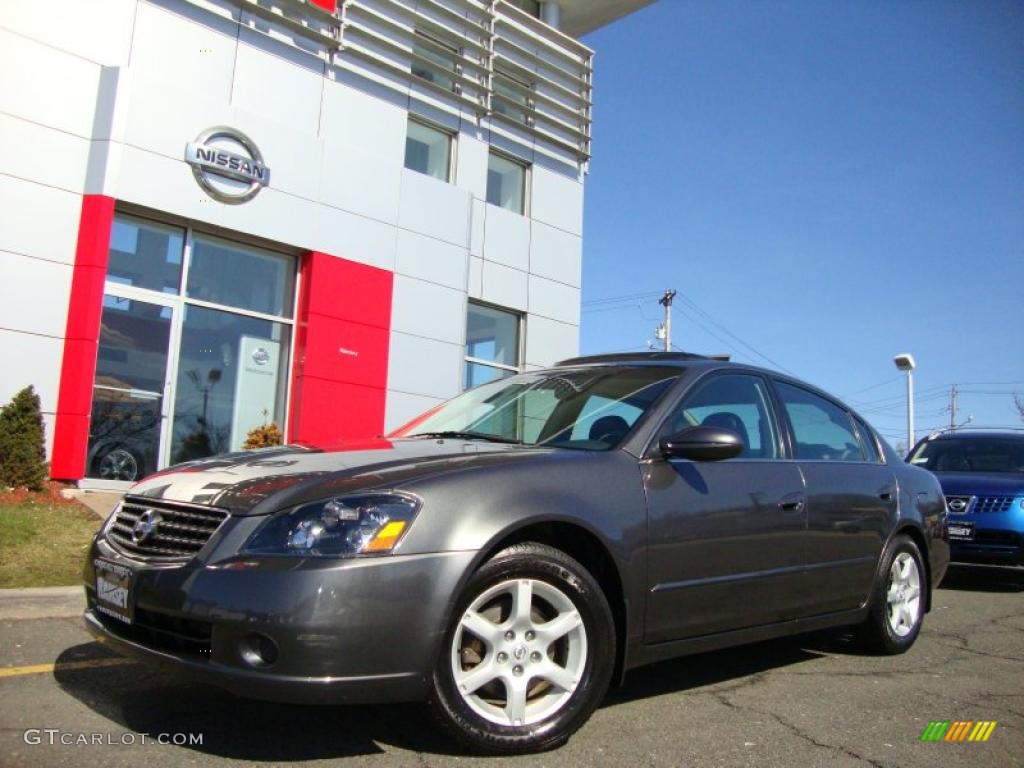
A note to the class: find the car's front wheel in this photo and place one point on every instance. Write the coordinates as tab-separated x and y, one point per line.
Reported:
528	654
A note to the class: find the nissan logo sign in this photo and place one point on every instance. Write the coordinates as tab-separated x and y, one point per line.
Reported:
145	526
957	505
227	165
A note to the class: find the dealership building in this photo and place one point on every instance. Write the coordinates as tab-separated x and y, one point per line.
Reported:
330	214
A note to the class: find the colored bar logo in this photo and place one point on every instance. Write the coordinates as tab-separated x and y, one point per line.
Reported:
958	730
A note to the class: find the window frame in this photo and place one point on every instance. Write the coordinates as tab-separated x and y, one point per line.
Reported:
452	137
434	44
527	167
468	359
791	432
771	404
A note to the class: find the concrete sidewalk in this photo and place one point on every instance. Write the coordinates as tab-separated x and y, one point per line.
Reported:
41	603
100	502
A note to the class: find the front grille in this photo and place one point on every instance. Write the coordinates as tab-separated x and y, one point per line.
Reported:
958	505
160	631
993	504
178	533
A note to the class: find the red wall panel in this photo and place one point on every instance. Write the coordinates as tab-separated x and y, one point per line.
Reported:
82	333
341	356
327	5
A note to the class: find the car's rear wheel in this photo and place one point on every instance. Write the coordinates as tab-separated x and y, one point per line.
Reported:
528	654
898	599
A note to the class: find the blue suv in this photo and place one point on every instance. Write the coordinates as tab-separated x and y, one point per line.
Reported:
982	477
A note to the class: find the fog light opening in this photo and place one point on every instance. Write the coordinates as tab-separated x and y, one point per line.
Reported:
258	650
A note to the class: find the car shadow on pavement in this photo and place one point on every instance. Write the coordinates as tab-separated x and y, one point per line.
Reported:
141	699
984	578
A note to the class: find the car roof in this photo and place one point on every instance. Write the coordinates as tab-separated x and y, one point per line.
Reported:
978	434
678	359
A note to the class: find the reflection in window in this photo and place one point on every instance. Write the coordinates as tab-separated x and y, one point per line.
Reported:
428	150
145	255
506	183
511	97
225	273
822	430
492	344
738	403
434	61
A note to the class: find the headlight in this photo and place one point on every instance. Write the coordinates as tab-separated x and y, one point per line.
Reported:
338	527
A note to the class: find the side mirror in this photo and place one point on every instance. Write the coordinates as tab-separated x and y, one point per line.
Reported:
702	444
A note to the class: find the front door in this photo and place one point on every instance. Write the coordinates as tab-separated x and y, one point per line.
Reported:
725	538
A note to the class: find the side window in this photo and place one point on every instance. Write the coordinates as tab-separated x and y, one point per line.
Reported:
822	430
867	441
736	402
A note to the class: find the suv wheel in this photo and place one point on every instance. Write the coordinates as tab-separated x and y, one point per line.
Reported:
528	654
897	600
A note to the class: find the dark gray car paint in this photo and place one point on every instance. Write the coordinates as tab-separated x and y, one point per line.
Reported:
370	628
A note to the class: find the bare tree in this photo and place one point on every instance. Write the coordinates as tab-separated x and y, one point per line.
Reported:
1019	402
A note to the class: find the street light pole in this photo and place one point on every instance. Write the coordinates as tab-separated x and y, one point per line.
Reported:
905	362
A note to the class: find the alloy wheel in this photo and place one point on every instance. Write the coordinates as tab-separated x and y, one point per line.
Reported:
904	594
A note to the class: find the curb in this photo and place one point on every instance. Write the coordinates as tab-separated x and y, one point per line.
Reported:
41	603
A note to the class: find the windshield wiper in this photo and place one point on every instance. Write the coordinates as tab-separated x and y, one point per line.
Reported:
470	436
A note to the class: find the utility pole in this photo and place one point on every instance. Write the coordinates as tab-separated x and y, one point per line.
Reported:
952	407
666	302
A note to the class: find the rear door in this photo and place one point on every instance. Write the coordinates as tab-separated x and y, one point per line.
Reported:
851	498
725	537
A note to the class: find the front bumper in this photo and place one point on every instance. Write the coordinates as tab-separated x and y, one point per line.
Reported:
344	631
998	538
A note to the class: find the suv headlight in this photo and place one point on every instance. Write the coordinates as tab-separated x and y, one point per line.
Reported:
361	524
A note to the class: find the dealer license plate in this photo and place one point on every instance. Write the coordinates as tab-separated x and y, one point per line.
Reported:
961	531
114	590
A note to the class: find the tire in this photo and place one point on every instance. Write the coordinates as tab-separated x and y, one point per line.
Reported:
557	657
118	463
897	600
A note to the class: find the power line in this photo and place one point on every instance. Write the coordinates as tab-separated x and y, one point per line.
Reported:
693	305
617	299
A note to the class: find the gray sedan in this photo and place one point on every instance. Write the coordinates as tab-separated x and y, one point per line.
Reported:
510	554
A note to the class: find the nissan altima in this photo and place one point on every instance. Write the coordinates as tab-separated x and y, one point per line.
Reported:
510	554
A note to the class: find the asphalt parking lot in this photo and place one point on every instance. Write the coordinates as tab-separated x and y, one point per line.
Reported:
811	700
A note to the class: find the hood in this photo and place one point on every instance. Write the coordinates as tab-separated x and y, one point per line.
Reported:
257	482
981	483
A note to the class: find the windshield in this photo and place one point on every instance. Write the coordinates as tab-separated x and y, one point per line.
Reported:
976	454
584	408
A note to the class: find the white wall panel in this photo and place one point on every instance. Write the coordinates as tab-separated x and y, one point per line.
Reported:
38	220
279	89
476	275
554	300
557	200
426	309
429	259
192	55
548	341
359	182
350	116
504	286
47	86
402	407
471	165
476	233
39	360
424	367
356	238
44	155
555	254
151	125
97	30
434	208
35	295
507	238
295	159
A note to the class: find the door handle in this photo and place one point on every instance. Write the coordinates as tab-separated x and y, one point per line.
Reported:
792	505
886	495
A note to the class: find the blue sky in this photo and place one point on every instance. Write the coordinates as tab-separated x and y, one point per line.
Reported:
831	182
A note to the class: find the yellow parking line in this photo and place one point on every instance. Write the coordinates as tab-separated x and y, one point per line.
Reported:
41	669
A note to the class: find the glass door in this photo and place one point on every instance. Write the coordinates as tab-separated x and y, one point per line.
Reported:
129	405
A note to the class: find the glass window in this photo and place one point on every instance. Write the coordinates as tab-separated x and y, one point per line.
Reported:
433	60
867	440
428	150
512	100
532	7
588	409
226	273
492	344
971	454
822	430
735	402
231	377
506	183
145	255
